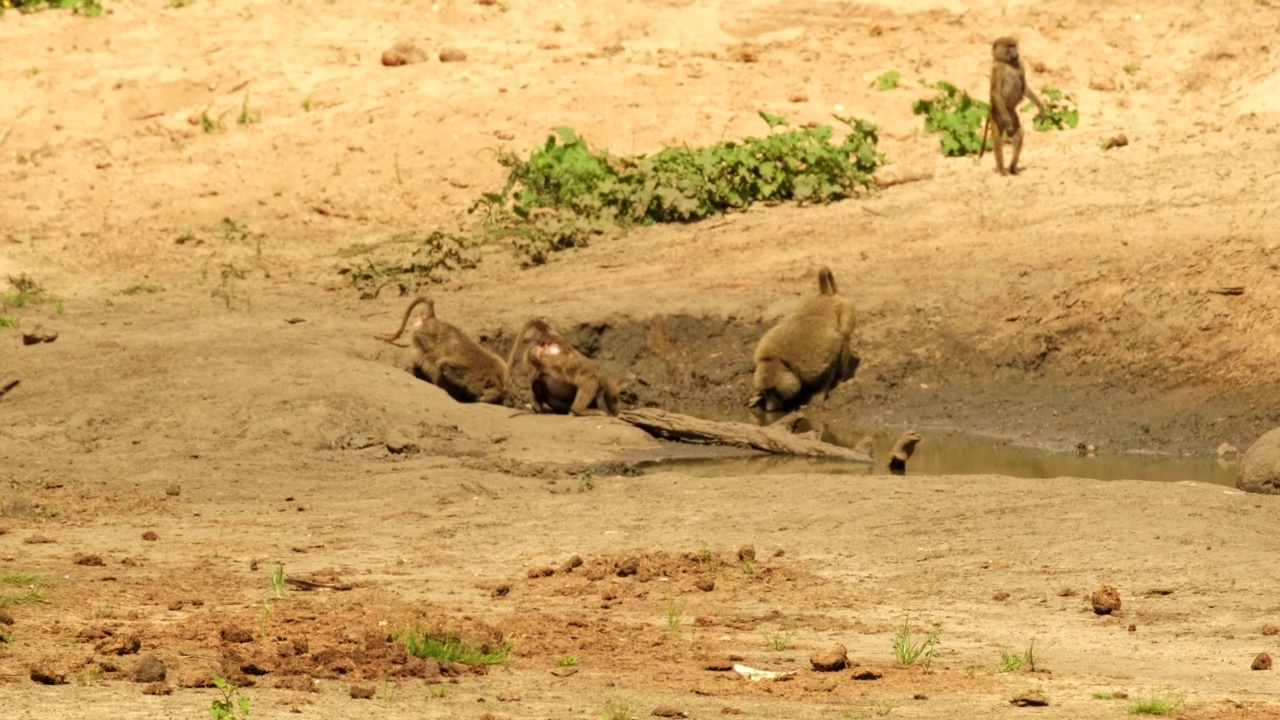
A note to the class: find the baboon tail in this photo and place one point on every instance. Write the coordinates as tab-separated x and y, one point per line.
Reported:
827	282
985	127
420	300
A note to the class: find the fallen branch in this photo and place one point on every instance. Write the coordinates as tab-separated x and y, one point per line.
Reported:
771	439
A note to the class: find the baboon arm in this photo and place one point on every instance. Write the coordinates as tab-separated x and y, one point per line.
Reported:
1032	97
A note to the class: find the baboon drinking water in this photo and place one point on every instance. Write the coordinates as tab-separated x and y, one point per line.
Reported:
564	380
807	352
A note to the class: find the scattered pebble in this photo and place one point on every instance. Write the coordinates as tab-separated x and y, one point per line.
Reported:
1261	662
362	692
90	560
150	536
541	571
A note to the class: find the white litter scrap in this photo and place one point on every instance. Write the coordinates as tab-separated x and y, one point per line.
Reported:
755	675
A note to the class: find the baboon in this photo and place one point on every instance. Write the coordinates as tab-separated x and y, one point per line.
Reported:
1008	87
902	451
564	380
448	359
808	352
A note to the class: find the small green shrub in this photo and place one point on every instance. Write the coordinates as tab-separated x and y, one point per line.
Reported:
1161	703
451	647
887	80
233	705
565	192
1060	111
956	116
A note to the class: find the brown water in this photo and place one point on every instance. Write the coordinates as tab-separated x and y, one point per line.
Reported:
950	453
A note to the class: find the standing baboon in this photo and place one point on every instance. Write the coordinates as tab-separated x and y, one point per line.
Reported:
808	352
448	359
564	380
1008	87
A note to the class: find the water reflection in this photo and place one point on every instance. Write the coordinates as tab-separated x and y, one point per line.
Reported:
943	453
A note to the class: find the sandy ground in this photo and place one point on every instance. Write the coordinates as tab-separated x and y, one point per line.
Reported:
1079	302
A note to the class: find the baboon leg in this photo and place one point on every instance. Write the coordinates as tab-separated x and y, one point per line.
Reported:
1017	150
588	388
999	138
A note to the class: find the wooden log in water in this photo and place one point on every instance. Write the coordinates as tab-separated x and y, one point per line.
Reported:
775	438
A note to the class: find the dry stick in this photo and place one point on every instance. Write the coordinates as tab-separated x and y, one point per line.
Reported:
771	439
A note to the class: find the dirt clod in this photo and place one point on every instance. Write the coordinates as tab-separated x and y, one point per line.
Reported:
1030	698
833	659
541	571
157	688
405	52
629	567
1105	600
668	711
48	673
39	335
235	634
90	560
867	675
39	540
362	692
150	536
746	552
452	54
501	590
1270	629
571	564
150	669
1000	596
5	618
173	490
177	605
121	644
706	584
509	695
1261	662
1118	141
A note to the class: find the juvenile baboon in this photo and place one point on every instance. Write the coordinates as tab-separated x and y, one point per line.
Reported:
807	352
1008	87
448	359
564	380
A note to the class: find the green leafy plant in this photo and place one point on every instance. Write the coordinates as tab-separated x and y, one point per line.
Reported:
567	661
586	481
233	705
565	192
451	647
89	8
777	639
233	230
439	691
887	80
1060	111
141	289
431	260
8	321
26	292
748	566
955	115
908	651
1160	703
